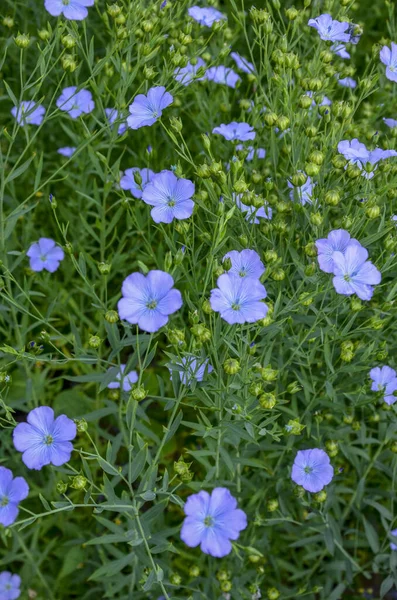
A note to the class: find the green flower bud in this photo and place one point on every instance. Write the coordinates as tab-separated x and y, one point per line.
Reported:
231	366
61	487
254	558
273	594
272	504
255	388
294	427
353	171
175	579
104	268
270	256
305	101
306	299
8	22
82	425
168	261
79	482
194	571
121	32
310	269
267	401
278	274
94	341
44	34
22	40
316	157
138	393
111	316
332	198
114	10
283	123
294	387
203	171
223	575
176	124
311	131
356	425
299	491
268	374
393	447
320	497
176	337
316	218
373	212
206	307
240	186
226	586
201	333
310	249
299	179
68	41
312	169
259	15
114	394
326	56
150	73
68	63
332	448
339	161
348	419
270	119
5	378
291	13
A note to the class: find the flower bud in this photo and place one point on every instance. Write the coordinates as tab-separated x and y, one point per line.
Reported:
306	299
272	504
299	491
231	366
294	427
104	268
201	333
68	41
226	586
270	119
259	15
176	124
111	316
223	575
44	34
332	198
114	10
294	387
61	487
273	594
353	171
8	22
149	72
267	400
176	337
138	393
332	448
347	351
79	482
240	186
299	179
278	274
267	373
194	571
255	388
68	63
203	171
312	169
94	341
283	123
326	56
175	579
22	40
373	212
291	13
305	101
316	218
270	256
5	378
320	497
311	131
316	157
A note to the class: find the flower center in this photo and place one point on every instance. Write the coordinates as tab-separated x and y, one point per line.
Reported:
208	521
242	273
235	306
347	277
151	305
43	257
171	202
308	470
4	501
65	2
48	440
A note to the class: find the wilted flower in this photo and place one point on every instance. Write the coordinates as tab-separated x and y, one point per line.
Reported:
330	29
112	115
236	131
186	75
354	274
12	492
43	439
242	63
312	470
239	299
212	521
128	181
75	102
171	197
9	586
245	263
128	379
223	75
337	241
389	58
146	110
67	151
149	300
205	16
73	10
45	254
35	116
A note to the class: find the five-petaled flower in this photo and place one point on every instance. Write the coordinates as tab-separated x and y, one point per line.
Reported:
242	63
186	75
205	16
354	274
337	241
170	197
9	586
45	254
43	439
389	58
330	29
12	492
235	131
28	113
212	521
312	470
146	110
74	102
73	10
223	75
239	299
384	379
130	179
128	379
149	300
245	263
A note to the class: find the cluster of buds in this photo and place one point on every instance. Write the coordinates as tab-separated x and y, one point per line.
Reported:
183	470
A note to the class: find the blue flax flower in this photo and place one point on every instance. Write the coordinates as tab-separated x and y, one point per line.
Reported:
242	63
128	182
113	115
312	470
43	439
67	151
348	82
390	122
354	151
354	274
12	492
170	197
253	214
393	546
9	586
337	241
340	50
149	300
304	193
330	29
186	75
205	16
35	116
252	152
245	263
223	75
75	103
212	521
128	379
146	110
239	299
236	131
384	379
191	368
73	10
389	58
45	254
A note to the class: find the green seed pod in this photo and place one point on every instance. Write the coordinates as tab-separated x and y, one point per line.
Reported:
299	179
291	13
138	393
311	131
270	119
332	198
271	256
332	448
104	268
312	169
231	366
278	274
272	504
22	40
305	101
94	341
273	594
79	482
320	497
111	316
283	123
8	22
267	401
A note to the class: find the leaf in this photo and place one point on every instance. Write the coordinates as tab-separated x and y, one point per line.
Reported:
138	464
108	468
44	502
20	170
112	568
72	558
372	536
148	495
386	586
